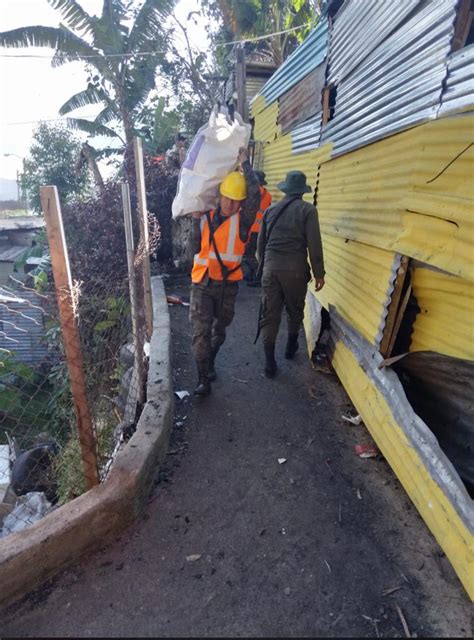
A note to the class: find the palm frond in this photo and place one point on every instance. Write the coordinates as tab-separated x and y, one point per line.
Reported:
74	49
107	115
82	99
92	128
34	36
149	24
75	16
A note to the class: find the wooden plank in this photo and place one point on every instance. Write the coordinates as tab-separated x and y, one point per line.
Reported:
462	25
326	110
138	377
240	82
393	306
398	321
70	332
144	235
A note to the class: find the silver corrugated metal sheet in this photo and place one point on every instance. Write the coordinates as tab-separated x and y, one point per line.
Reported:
307	57
459	93
306	135
253	84
11	253
21	222
303	100
359	27
22	326
398	85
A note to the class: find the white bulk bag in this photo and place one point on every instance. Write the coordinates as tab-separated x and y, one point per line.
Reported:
211	156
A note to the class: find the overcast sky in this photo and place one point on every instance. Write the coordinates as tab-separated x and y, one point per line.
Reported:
31	89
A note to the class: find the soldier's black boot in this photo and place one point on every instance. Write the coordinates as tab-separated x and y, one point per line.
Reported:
212	365
291	346
270	362
204	385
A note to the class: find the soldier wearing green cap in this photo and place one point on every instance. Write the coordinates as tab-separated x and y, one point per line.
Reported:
289	232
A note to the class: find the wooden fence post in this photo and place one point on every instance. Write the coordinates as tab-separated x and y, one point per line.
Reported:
144	235
137	330
72	346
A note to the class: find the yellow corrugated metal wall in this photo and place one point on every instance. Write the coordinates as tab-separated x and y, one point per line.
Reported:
445	323
409	194
402	194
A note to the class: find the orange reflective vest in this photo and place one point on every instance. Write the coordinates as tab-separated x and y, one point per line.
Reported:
230	248
265	202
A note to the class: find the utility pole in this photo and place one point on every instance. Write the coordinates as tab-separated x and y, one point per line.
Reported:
240	76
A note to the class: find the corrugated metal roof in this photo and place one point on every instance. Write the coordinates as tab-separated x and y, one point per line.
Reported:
306	135
21	222
22	322
265	128
359	284
411	193
302	61
359	27
398	85
11	253
445	323
459	93
303	100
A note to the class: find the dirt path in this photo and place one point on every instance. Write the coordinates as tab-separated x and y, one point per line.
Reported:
303	548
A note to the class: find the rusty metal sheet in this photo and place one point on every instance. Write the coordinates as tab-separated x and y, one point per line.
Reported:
359	27
398	85
303	100
441	391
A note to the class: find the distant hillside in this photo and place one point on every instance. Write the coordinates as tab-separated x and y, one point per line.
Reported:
8	189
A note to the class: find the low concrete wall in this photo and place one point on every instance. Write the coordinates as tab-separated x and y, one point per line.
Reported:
30	557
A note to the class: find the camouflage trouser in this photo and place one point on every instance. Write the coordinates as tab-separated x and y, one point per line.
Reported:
282	289
208	319
249	260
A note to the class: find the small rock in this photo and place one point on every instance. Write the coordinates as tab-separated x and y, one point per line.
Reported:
287	591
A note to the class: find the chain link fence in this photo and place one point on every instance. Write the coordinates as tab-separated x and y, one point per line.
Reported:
73	356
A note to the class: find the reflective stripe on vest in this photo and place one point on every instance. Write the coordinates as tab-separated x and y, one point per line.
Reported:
230	247
265	202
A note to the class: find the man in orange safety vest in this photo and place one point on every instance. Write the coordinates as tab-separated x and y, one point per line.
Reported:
250	263
220	236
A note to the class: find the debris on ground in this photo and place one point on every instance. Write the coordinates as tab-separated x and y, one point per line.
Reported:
404	622
193	557
240	380
359	495
281	460
356	420
182	394
172	299
366	450
28	509
390	590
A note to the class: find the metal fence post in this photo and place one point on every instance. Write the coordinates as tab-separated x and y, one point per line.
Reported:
63	284
137	330
144	235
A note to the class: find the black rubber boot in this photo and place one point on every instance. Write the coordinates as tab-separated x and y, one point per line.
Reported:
291	346
204	385
212	375
270	363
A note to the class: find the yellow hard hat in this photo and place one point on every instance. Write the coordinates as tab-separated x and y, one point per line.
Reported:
234	186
